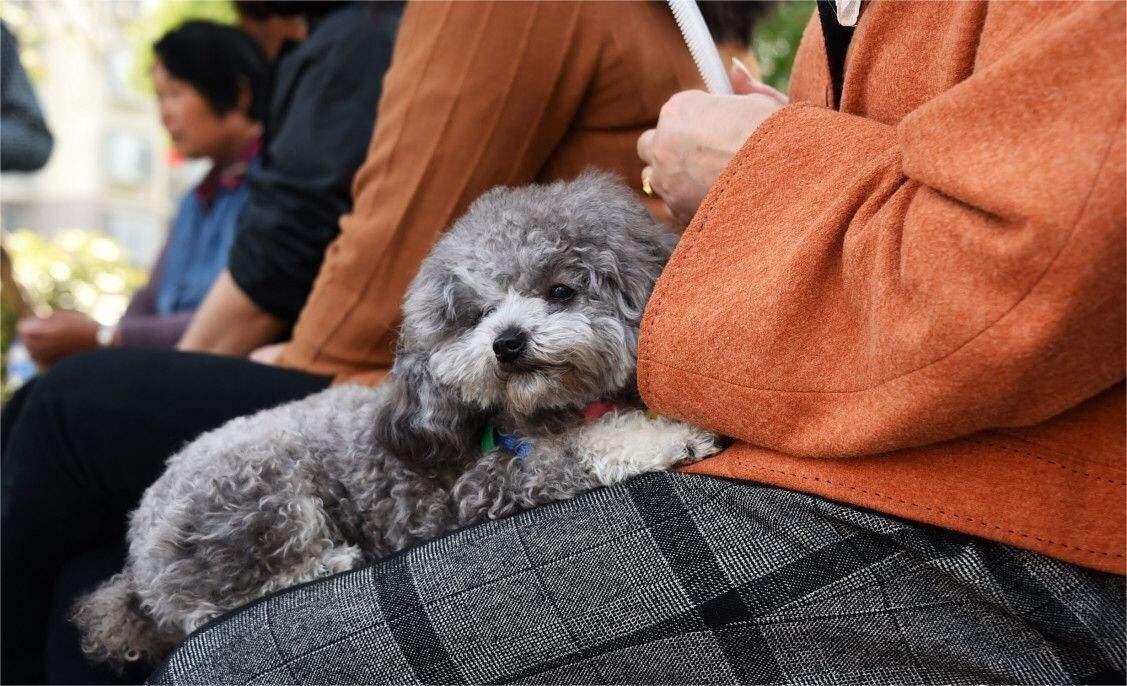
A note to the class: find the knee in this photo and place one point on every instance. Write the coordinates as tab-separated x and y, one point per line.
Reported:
30	463
78	373
27	410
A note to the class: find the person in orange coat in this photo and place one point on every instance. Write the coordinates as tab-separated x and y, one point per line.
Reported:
905	288
902	290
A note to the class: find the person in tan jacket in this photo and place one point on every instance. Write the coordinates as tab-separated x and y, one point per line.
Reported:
901	290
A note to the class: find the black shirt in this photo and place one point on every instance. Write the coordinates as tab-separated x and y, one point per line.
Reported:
322	113
837	39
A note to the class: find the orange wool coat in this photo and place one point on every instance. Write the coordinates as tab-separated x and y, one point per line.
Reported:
916	304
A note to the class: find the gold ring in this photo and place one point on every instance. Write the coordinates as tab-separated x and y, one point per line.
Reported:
646	187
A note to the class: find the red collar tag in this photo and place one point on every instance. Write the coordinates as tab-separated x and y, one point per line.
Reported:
598	408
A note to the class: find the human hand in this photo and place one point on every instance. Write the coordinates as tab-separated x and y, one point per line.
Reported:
697	135
62	333
268	354
744	83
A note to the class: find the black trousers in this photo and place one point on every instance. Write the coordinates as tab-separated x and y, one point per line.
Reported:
80	446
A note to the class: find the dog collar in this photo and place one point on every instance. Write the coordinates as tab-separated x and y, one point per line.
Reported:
492	438
509	443
598	408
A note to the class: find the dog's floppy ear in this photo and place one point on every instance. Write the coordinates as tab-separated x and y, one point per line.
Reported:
422	422
639	244
642	263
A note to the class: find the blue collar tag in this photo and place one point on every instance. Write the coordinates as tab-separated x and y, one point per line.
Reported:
519	448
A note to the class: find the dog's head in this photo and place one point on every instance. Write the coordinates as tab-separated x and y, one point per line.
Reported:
528	308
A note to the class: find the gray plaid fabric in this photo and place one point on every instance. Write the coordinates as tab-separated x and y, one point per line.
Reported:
673	578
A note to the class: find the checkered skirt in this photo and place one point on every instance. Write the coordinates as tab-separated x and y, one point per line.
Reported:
673	578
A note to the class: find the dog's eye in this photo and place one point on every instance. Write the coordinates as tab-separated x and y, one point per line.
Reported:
478	314
560	293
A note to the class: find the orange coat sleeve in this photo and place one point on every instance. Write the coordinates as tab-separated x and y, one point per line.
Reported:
851	287
478	95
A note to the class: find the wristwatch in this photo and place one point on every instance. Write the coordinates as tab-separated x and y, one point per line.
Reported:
106	335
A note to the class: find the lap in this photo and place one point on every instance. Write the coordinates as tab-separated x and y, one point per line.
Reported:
111	418
82	445
680	579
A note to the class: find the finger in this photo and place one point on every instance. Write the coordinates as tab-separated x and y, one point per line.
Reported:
29	327
39	353
740	76
760	88
744	83
267	353
763	89
645	145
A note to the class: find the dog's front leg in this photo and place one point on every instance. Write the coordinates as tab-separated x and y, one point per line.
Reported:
620	445
601	453
499	484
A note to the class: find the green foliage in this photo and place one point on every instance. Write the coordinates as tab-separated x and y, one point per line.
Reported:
776	41
161	17
78	270
7	325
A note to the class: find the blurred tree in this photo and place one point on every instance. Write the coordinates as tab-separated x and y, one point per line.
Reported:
76	270
7	335
159	18
776	40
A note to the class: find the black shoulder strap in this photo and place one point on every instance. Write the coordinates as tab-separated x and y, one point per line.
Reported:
837	39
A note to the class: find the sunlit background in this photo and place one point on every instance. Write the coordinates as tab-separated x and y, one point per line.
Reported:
90	223
112	167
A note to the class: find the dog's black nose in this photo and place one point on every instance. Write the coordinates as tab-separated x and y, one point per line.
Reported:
510	344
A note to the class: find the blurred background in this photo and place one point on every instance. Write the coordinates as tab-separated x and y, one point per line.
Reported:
112	167
83	231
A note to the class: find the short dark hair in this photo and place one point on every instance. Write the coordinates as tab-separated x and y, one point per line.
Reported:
733	20
264	9
217	60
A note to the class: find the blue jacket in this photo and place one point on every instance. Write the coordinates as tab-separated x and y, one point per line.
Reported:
198	244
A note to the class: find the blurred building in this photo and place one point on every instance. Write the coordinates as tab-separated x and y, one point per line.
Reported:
111	168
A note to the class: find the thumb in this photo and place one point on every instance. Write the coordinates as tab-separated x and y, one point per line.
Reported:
743	83
29	326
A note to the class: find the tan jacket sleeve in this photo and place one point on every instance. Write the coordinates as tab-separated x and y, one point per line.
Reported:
850	287
478	95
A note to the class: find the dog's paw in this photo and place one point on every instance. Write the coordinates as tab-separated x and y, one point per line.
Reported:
622	446
697	444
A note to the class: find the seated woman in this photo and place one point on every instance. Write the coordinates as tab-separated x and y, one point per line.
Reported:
212	85
317	130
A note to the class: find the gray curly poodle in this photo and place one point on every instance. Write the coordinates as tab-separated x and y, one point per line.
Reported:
513	386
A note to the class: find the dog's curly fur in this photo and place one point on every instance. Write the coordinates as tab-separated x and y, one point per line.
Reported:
320	485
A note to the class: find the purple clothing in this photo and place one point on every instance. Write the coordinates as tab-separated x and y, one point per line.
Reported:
142	327
145	323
